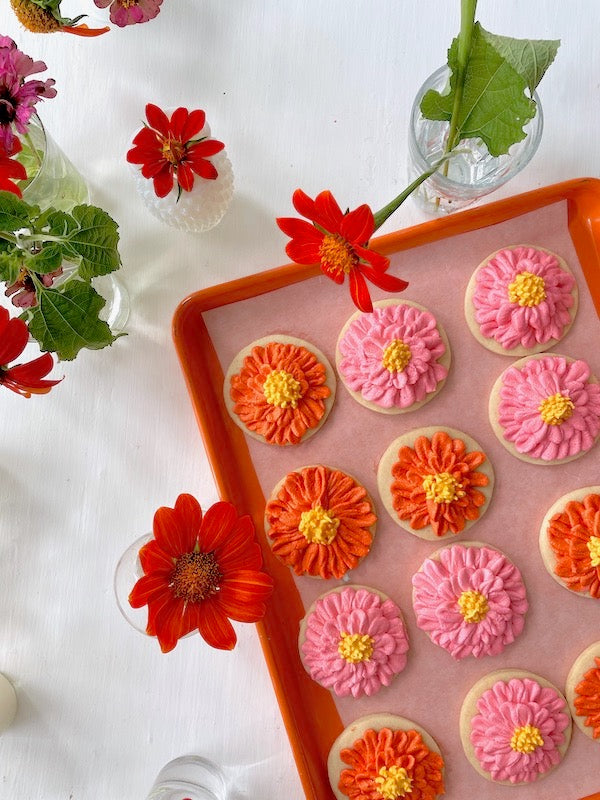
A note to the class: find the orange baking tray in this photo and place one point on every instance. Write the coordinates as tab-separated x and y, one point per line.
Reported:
311	717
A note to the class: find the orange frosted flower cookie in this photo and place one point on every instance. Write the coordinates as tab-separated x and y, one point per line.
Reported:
320	521
385	757
583	691
279	389
570	541
435	481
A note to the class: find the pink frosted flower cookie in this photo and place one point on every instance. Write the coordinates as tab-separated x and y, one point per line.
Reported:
470	600
546	408
515	727
521	300
394	359
353	641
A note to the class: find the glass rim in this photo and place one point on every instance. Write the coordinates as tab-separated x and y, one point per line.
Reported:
534	135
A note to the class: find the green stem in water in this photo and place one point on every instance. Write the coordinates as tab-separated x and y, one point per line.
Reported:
33	150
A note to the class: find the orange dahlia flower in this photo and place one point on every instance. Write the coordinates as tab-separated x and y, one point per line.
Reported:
391	764
587	699
320	522
436	483
574	535
279	392
198	571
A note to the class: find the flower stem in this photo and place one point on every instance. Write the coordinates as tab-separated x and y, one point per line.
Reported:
33	150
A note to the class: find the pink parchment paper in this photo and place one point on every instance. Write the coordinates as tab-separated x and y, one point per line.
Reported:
559	624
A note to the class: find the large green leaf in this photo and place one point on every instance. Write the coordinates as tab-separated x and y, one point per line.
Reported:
48	259
65	321
494	106
529	57
95	241
14	213
11	262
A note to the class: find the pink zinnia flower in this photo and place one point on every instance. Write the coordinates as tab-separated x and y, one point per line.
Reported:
18	96
470	600
549	408
391	355
522	297
355	642
130	12
518	730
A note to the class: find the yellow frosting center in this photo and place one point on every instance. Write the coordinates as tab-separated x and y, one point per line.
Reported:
393	782
282	389
473	606
336	254
396	355
527	289
555	409
318	525
442	487
594	548
355	647
526	739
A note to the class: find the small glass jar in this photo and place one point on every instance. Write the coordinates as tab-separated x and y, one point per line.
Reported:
472	173
189	778
55	183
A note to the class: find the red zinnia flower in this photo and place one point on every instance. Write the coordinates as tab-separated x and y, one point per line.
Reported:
338	242
24	379
198	571
9	168
167	148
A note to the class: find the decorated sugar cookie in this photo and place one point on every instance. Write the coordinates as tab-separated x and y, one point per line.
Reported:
515	727
385	757
435	482
279	389
394	359
545	409
470	600
583	691
570	541
353	641
521	300
320	521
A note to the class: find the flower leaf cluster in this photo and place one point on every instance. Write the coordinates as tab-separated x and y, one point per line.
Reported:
491	88
34	246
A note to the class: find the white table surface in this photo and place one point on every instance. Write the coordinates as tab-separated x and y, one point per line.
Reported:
304	94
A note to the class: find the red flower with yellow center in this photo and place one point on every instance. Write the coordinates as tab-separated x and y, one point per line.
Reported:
339	243
198	572
10	168
24	379
167	149
574	535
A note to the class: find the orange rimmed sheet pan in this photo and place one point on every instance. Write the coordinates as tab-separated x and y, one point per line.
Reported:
311	716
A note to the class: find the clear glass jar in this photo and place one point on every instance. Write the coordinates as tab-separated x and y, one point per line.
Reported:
55	183
189	778
471	174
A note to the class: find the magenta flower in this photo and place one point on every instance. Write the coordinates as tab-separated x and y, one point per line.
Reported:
518	730
18	96
130	12
23	291
522	297
391	355
549	408
470	600
355	642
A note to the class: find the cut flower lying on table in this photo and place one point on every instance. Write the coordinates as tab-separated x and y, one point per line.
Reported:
43	16
199	572
24	379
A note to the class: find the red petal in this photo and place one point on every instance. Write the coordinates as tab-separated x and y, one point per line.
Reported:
149	138
185	177
303	204
240	549
214	626
358	225
204	168
194	125
157	119
154	559
178	119
303	252
172	535
377	261
243	597
209	147
13	338
147	588
163	181
360	292
216	526
32	372
329	214
171	623
389	283
83	30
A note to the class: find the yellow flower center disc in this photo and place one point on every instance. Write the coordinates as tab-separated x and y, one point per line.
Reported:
396	355
282	389
318	525
526	739
355	647
527	289
594	548
393	782
555	409
336	254
473	606
442	487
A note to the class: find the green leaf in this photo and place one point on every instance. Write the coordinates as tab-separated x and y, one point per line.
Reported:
95	241
48	259
10	265
66	320
529	57
494	106
14	213
56	223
